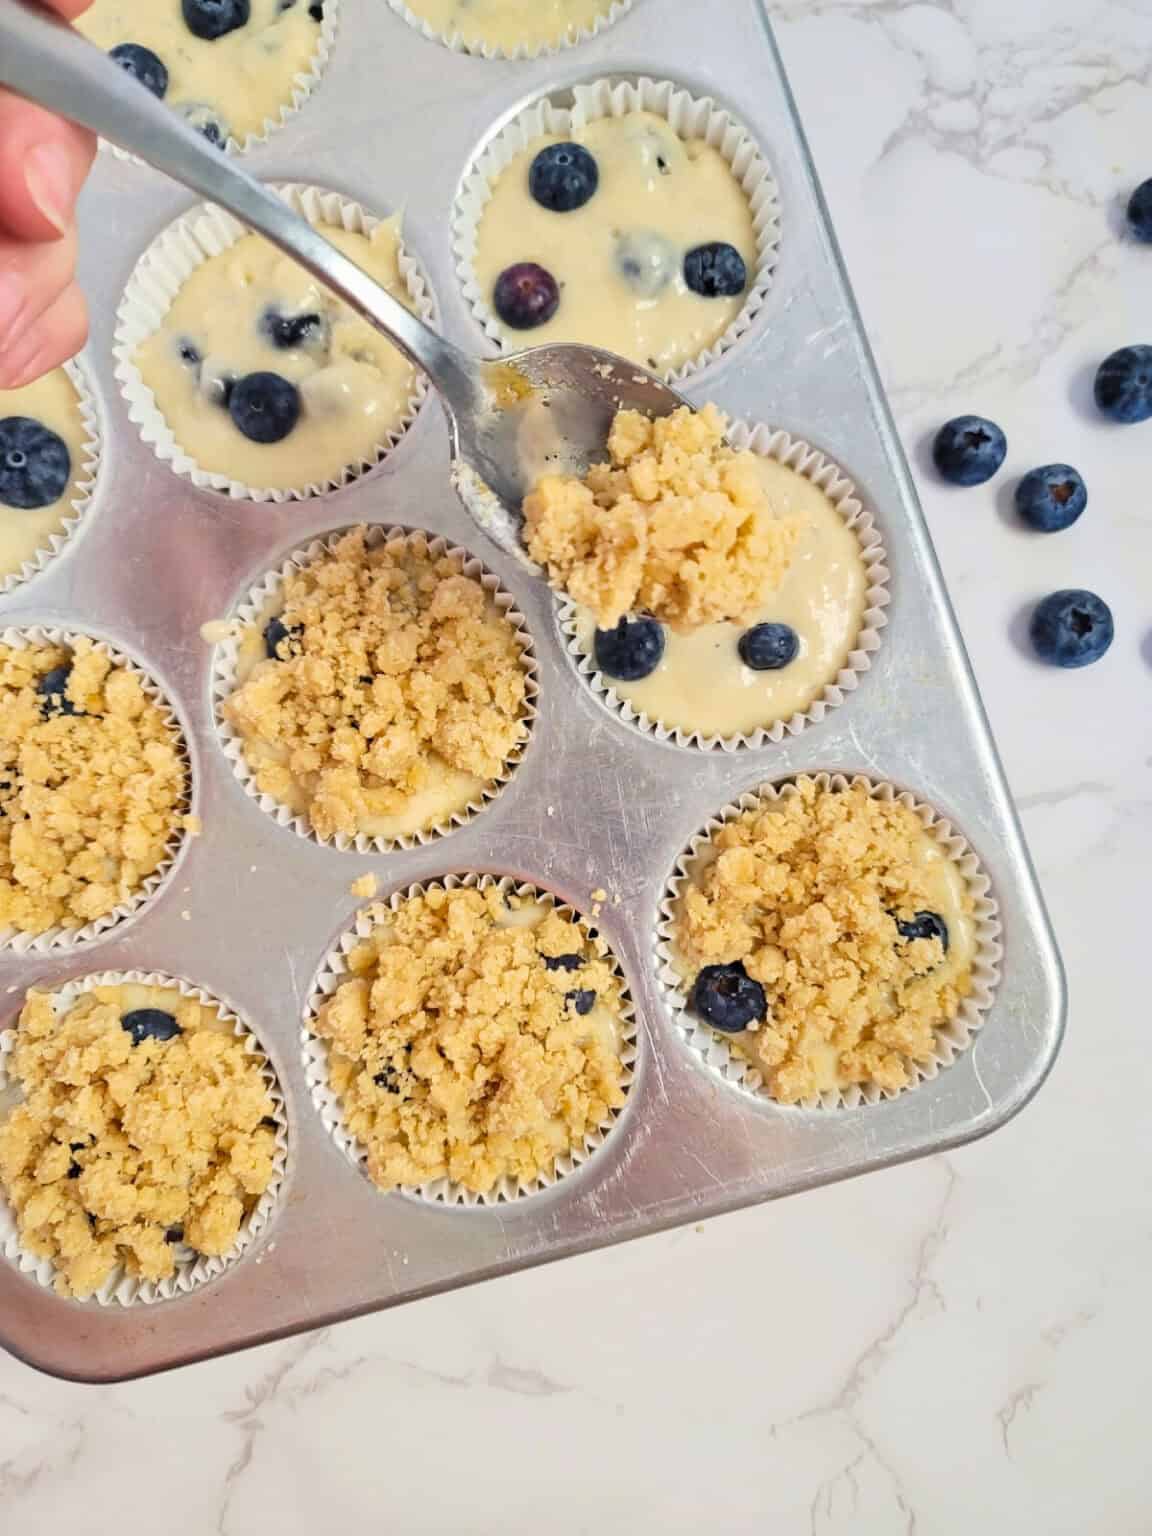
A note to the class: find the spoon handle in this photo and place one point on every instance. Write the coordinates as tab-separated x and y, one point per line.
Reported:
44	60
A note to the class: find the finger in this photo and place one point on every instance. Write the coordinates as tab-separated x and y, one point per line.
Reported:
43	163
69	9
31	278
58	335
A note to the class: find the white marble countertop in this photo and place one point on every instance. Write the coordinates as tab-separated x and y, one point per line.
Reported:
959	1344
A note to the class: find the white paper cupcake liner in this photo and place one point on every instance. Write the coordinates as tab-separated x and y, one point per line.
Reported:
842	493
302	87
160	273
192	1269
85	485
255	608
457	44
60	938
334	970
952	1038
689	116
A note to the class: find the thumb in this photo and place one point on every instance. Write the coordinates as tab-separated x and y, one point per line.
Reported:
43	163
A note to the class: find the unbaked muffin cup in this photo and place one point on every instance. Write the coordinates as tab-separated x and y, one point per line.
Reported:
60	938
456	43
334	970
952	1038
260	602
158	277
91	450
302	87
192	1269
842	493
691	117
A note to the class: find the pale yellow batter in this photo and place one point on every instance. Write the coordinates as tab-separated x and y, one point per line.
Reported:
54	403
239	81
805	892
651	182
355	388
511	24
129	1148
477	1038
703	685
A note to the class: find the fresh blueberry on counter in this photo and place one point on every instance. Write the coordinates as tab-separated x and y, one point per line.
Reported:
52	688
1124	385
646	261
1052	498
210	19
1140	212
563	177
768	647
969	450
149	1024
631	651
1072	628
925	925
526	295
143	65
715	271
264	407
726	997
35	465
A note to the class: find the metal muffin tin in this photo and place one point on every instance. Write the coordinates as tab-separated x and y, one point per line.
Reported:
252	909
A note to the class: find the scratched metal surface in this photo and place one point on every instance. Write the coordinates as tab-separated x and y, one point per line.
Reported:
394	124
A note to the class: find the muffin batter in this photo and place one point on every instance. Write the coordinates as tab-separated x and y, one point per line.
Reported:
53	403
677	525
702	683
805	894
145	1130
478	1038
619	260
92	784
395	695
250	313
233	85
510	24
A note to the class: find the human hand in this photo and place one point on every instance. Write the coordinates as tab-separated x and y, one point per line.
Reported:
43	163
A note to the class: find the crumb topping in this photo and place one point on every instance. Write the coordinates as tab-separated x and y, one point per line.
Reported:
91	786
122	1151
806	892
393	669
477	1037
677	525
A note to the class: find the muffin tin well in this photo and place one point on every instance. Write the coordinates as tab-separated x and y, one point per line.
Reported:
596	812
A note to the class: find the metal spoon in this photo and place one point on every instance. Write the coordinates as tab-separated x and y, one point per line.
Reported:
493	408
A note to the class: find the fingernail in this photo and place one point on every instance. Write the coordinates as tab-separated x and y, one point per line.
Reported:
12	296
48	177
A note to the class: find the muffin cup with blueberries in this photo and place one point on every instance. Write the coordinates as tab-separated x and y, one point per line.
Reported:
246	375
639	218
510	29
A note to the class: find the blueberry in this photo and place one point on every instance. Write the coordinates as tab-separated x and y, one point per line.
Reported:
1052	498
276	632
1124	385
631	651
74	1169
189	353
174	1233
563	962
149	1024
1140	212
726	997
53	690
563	177
143	65
1072	628
646	261
715	271
583	1000
35	465
525	296
264	407
285	331
768	647
205	122
969	450
925	925
316	10
389	1080
211	19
